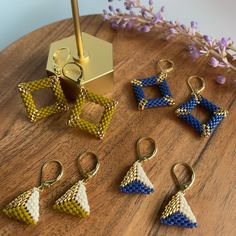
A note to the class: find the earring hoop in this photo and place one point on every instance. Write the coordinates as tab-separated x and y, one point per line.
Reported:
149	156
183	186
48	183
166	62
88	175
196	90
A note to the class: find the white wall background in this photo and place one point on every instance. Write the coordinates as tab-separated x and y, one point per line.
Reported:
18	17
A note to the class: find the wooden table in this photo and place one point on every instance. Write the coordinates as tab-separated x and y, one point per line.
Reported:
25	146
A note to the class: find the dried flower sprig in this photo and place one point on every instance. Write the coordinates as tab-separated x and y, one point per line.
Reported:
221	52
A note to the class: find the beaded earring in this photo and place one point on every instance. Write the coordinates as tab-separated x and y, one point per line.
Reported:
84	96
25	207
136	180
177	212
75	201
158	81
52	82
184	111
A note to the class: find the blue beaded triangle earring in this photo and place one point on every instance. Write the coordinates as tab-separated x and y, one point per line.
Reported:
158	81
177	212
136	180
184	111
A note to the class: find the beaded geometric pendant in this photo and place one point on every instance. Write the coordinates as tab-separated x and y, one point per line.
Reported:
25	207
74	201
157	81
99	129
217	114
178	213
35	114
136	181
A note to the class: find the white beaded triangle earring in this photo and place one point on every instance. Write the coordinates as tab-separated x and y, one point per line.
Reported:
25	207
75	201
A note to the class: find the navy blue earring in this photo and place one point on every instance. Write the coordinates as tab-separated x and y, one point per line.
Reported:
136	180
159	81
184	111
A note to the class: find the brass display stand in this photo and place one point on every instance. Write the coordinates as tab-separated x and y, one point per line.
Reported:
93	54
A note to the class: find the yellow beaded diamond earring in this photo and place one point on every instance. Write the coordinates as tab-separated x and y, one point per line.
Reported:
25	207
75	201
74	120
53	82
177	212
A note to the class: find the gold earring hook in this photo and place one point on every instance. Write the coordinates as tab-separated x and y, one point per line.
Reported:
87	176
58	66
183	186
197	91
48	183
80	69
147	156
166	65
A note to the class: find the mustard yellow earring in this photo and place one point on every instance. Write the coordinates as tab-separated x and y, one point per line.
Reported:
53	82
25	207
75	201
74	120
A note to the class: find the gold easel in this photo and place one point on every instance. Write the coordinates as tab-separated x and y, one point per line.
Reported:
93	54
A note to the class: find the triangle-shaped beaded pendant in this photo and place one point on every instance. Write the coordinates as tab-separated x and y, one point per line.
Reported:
74	201
178	213
136	181
25	207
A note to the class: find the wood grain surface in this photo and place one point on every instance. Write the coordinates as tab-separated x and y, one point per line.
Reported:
25	146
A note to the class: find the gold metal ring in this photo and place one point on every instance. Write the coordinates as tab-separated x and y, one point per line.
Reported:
80	69
55	54
166	65
87	176
47	183
197	90
147	156
183	186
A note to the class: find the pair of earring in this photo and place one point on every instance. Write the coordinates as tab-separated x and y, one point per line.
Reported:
185	110
177	212
25	207
61	104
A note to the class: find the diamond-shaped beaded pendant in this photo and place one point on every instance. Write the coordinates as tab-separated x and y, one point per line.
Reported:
34	113
74	201
160	83
217	114
136	181
178	213
98	130
25	207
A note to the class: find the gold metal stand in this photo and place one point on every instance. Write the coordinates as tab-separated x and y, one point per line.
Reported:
93	54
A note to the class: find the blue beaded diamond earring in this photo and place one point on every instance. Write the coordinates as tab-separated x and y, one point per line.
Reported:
184	111
177	212
158	81
136	180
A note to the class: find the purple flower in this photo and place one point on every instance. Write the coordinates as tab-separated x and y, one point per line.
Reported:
129	4
144	28
208	39
194	52
129	25
220	79
115	25
194	24
111	8
214	62
172	31
159	16
151	2
193	28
